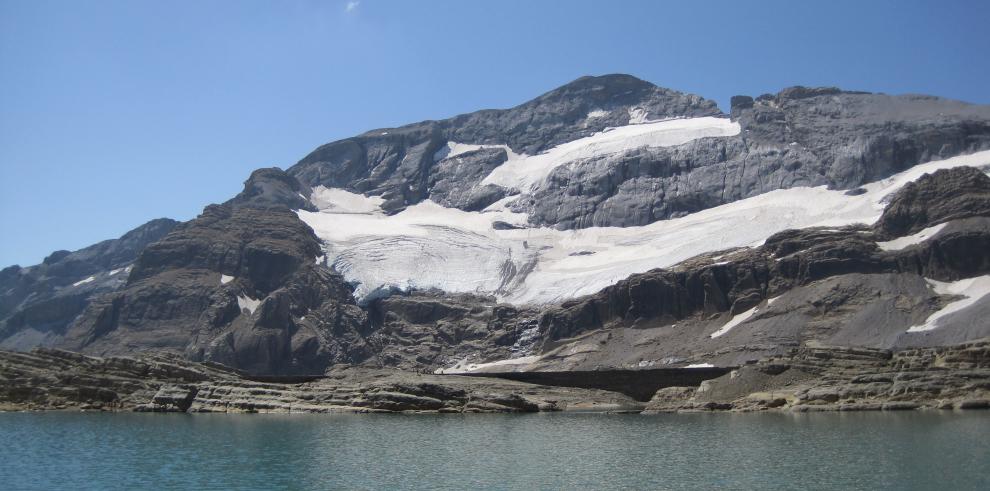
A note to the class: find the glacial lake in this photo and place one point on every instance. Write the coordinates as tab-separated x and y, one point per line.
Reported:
914	450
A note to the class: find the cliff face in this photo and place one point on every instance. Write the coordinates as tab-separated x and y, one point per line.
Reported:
409	164
38	303
798	137
411	247
846	287
233	285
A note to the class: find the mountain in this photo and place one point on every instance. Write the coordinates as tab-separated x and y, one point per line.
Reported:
38	303
606	223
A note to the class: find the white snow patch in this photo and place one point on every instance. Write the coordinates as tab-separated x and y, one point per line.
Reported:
320	259
83	282
700	365
224	279
453	149
115	271
638	115
526	172
246	302
971	289
341	201
430	246
735	321
908	240
597	113
740	318
464	367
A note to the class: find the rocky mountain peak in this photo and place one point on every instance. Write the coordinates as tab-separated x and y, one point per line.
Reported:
620	91
575	110
273	187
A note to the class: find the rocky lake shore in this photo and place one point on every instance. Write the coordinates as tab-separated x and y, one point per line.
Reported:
810	378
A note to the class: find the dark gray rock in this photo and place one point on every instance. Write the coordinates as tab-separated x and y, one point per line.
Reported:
175	300
800	137
37	303
945	195
403	165
455	182
835	286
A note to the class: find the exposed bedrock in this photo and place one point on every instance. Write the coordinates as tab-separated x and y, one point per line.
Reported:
829	285
810	378
435	329
835	378
402	165
37	303
233	285
936	198
799	137
60	380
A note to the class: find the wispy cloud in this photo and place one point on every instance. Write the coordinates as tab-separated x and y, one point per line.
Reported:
352	6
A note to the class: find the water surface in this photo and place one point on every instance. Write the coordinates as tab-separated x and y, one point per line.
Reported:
930	450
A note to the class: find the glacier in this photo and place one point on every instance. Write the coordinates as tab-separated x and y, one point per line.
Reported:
428	246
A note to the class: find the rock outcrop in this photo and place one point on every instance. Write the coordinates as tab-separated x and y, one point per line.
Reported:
407	165
835	286
798	137
830	378
936	198
234	286
38	303
809	378
61	380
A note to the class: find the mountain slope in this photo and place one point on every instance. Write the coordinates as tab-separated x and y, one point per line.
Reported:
532	236
37	303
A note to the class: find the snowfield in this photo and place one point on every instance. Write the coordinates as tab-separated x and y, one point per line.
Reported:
910	240
464	366
972	290
430	246
526	172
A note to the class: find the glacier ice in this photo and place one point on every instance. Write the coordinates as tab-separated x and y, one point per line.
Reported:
429	246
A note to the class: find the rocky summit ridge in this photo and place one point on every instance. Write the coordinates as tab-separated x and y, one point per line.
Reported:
257	285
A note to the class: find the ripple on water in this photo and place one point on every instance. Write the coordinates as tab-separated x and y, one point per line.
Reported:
948	450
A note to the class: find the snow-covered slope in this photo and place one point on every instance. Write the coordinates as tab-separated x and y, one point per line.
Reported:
429	246
525	172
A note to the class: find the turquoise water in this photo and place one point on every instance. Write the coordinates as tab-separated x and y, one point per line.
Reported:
540	451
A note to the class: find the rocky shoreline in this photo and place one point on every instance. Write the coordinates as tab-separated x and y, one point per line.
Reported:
47	379
810	378
823	378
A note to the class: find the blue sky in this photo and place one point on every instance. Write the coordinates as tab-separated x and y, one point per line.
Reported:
116	112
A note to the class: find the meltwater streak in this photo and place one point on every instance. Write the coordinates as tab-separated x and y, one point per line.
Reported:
902	451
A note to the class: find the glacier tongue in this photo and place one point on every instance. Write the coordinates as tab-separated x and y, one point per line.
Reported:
429	246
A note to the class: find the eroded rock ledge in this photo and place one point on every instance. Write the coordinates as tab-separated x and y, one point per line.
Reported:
48	379
810	378
822	378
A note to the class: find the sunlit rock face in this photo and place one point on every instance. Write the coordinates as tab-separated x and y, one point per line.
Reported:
606	223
